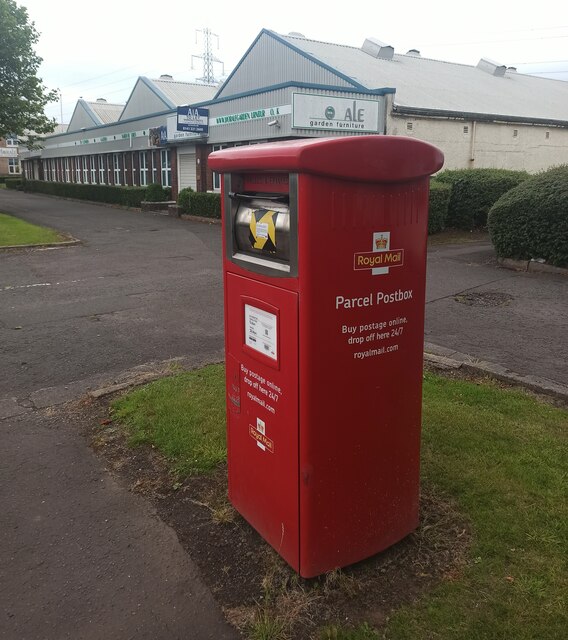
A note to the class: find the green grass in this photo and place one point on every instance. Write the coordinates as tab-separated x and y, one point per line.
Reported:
183	416
503	456
14	231
500	453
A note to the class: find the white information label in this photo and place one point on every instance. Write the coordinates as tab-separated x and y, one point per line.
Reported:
262	230
261	331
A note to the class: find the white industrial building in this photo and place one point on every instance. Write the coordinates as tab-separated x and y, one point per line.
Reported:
287	86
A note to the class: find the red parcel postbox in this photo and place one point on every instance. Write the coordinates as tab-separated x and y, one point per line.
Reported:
324	274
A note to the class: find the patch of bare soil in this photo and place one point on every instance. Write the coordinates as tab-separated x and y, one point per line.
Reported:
254	586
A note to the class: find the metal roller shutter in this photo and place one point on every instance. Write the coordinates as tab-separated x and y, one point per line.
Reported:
187	171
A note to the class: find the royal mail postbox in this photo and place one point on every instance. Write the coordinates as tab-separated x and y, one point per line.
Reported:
324	274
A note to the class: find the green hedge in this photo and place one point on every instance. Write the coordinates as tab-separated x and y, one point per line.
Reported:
156	193
207	205
531	220
440	193
13	183
126	196
475	191
183	199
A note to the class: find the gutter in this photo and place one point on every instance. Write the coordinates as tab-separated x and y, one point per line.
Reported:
398	110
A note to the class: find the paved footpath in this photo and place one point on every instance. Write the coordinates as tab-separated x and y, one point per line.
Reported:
83	558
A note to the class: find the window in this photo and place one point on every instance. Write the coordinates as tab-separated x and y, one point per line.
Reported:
515	133
101	169
166	168
409	126
12	142
53	169
13	165
77	170
547	135
125	163
154	170
143	169
116	166
93	169
67	174
216	176
466	129
85	170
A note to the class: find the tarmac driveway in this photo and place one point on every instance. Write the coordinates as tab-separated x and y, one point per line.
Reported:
144	287
515	319
141	287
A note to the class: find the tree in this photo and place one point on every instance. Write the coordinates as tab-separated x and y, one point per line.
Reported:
22	94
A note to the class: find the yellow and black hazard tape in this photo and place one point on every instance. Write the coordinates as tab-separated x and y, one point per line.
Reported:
263	230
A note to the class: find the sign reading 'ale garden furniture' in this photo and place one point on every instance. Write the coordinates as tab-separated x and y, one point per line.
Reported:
329	113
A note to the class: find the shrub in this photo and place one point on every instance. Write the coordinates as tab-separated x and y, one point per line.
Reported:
440	193
207	205
156	193
126	196
531	220
13	183
183	199
475	191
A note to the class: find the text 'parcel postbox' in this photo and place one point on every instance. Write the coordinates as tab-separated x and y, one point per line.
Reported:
324	274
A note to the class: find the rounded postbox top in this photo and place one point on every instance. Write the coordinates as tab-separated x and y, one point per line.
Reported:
370	158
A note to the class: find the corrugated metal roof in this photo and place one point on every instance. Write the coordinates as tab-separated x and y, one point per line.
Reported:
106	112
424	83
184	92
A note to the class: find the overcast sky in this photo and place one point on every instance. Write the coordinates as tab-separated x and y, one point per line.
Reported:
97	50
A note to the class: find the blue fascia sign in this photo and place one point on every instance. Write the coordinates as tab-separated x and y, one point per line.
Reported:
193	119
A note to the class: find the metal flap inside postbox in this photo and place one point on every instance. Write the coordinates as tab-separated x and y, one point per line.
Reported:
261	229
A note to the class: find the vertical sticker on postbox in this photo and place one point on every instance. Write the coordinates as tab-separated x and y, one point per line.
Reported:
259	435
381	243
381	258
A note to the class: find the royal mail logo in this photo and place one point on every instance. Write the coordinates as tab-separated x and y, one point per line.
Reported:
265	443
381	258
372	259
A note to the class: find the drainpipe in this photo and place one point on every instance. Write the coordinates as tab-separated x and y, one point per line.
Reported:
472	143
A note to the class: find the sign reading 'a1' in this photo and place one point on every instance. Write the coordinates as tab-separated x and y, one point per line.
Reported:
193	119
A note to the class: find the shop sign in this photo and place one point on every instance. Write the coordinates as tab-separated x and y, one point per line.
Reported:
157	136
193	120
257	114
173	133
329	113
8	152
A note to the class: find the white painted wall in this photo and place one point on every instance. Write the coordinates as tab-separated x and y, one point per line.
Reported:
491	145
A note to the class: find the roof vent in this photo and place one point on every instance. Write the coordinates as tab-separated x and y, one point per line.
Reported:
492	67
296	34
101	99
512	69
378	49
413	52
166	76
